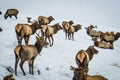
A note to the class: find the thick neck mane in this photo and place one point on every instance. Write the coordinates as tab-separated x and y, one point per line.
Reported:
38	46
34	27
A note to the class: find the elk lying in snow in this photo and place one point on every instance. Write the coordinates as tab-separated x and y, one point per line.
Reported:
110	37
10	13
1	29
79	75
45	20
83	57
91	32
25	30
73	29
28	53
48	31
66	25
102	44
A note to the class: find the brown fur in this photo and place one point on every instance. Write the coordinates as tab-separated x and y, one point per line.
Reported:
66	25
45	20
9	77
10	13
102	44
25	30
79	75
73	29
109	37
28	53
91	32
48	32
83	57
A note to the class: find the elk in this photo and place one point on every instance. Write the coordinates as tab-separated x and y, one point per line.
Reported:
48	32
110	37
25	30
91	32
73	29
84	56
66	25
28	53
79	75
45	20
9	77
102	44
10	13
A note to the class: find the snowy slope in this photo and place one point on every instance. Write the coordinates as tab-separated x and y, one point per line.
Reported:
54	62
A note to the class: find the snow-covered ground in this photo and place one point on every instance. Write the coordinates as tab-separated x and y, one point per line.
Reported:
54	62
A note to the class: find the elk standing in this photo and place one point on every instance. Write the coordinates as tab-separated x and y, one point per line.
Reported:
25	30
28	53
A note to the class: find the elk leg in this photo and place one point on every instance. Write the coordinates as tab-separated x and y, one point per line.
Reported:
52	40
73	36
30	66
16	16
49	41
21	66
16	63
46	40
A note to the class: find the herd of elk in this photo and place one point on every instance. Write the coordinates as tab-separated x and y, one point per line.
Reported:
29	52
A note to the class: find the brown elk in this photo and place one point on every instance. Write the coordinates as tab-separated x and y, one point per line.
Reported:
91	32
102	44
84	56
25	30
79	75
1	29
10	13
48	32
73	29
45	20
66	26
28	53
110	37
9	77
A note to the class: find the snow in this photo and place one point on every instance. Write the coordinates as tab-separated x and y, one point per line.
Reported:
54	62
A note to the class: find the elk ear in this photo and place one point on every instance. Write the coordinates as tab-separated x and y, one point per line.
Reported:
37	38
72	68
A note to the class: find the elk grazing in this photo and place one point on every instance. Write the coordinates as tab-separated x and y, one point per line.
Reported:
66	25
28	53
110	37
73	29
45	20
91	32
48	32
79	75
1	29
83	57
25	30
102	44
10	13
